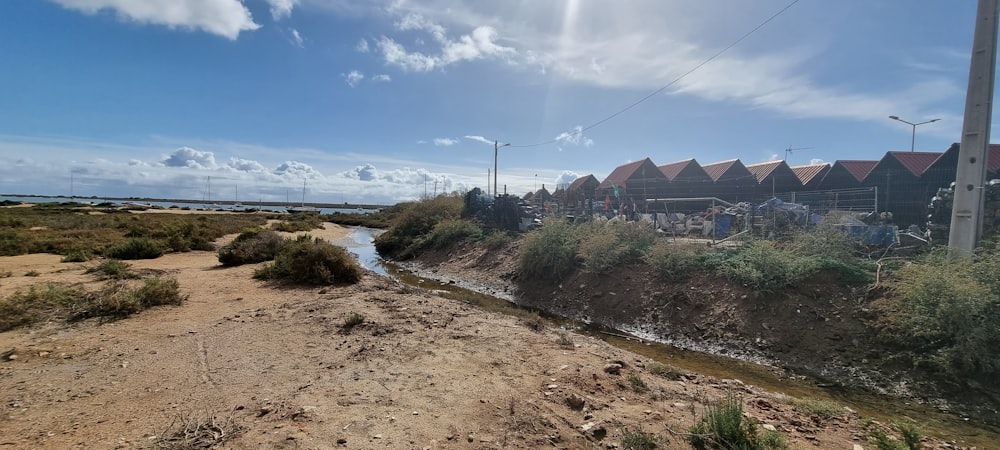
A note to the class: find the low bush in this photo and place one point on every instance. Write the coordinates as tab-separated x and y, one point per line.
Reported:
549	253
909	437
945	312
135	248
604	246
451	231
54	301
827	242
723	426
412	223
674	261
38	303
665	371
310	261
117	300
763	268
113	268
637	383
77	255
251	246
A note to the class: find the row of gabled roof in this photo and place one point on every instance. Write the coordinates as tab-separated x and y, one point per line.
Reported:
689	170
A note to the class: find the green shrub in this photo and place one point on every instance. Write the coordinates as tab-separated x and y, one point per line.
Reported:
604	246
32	273
309	261
251	246
946	312
451	231
549	253
113	268
723	426
763	268
636	439
135	248
674	261
496	240
412	224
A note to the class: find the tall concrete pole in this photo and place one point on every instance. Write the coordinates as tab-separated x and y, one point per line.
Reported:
970	179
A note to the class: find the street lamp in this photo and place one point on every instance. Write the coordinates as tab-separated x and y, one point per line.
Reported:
913	135
496	149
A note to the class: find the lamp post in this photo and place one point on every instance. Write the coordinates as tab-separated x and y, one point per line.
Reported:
913	135
496	150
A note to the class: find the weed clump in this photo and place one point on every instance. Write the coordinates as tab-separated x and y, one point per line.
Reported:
604	246
763	268
412	224
251	246
823	409
77	255
38	303
637	383
636	439
135	248
299	222
113	268
451	231
311	261
496	240
354	319
665	371
723	426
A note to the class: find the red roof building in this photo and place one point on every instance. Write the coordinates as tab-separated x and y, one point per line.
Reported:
774	177
810	176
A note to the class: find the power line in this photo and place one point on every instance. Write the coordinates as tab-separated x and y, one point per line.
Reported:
575	132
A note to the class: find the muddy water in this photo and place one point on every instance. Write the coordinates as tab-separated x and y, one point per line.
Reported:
867	404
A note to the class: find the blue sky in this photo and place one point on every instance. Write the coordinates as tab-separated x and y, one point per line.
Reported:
368	100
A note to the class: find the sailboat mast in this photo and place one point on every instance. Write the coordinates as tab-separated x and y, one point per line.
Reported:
303	192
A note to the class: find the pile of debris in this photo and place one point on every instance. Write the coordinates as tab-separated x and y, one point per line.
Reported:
939	211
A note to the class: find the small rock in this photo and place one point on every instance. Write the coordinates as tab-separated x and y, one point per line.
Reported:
858	447
341	441
613	369
377	436
575	401
471	438
43	354
768	427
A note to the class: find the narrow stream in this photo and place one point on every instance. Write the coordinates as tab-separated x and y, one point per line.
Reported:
868	404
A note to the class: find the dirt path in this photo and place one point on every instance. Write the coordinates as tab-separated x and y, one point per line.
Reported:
421	371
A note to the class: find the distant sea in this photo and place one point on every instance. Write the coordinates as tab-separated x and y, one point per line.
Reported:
189	204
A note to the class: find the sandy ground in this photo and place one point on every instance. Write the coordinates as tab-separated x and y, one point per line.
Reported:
274	365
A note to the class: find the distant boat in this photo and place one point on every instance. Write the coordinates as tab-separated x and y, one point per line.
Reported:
302	208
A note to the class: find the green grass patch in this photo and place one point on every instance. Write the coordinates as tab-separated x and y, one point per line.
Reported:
674	261
665	371
353	319
135	248
637	383
604	246
823	409
637	439
299	222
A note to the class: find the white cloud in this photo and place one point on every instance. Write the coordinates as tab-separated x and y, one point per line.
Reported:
566	178
479	139
366	172
281	9
445	142
296	169
225	18
353	78
575	137
297	38
362	46
480	43
191	158
381	78
816	161
245	165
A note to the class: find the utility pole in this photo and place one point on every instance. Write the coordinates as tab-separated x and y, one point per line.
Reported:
435	188
496	150
970	178
487	181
